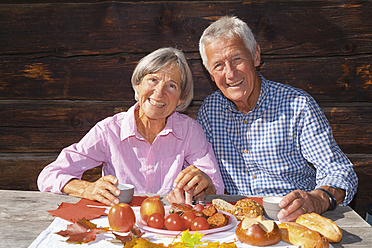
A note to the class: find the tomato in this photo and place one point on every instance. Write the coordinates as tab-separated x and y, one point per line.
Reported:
121	217
156	220
173	222
149	206
187	218
198	207
199	223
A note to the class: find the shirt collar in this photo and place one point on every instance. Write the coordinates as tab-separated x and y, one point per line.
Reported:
129	126
261	99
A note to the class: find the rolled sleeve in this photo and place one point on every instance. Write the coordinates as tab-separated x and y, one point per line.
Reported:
72	162
334	169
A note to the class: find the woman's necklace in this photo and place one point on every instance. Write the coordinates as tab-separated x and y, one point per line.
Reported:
148	137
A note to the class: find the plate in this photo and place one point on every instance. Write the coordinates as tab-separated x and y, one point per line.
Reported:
232	223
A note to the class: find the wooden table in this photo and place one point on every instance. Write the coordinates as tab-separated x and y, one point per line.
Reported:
23	217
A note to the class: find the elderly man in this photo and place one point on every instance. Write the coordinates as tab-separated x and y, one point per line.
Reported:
269	138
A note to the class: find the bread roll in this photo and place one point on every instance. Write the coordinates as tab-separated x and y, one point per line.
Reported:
247	208
325	226
300	235
223	205
258	232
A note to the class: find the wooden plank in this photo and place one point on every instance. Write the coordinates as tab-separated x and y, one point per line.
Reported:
49	126
73	115
65	115
331	79
293	28
84	114
52	140
363	168
353	139
20	170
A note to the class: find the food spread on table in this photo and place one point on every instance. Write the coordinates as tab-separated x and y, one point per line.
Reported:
189	222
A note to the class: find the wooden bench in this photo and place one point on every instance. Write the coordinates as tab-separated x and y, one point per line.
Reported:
64	66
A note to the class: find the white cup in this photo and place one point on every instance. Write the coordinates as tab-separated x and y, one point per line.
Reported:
126	193
271	206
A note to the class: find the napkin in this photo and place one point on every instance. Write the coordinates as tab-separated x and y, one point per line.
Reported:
73	212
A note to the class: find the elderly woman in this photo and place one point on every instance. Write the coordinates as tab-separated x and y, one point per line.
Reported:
148	146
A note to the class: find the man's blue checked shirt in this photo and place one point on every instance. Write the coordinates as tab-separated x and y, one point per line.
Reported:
285	143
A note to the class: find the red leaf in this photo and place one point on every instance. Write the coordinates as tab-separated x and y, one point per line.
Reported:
135	232
81	231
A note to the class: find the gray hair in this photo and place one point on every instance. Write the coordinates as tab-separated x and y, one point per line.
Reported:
160	58
226	27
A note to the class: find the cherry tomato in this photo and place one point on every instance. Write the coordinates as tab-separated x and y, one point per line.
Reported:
187	218
173	222
156	220
198	207
199	223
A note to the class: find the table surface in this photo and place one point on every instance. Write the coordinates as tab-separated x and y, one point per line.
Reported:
23	217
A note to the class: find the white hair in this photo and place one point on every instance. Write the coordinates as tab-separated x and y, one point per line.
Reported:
226	27
160	58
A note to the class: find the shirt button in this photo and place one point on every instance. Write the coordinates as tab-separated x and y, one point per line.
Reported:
254	176
245	151
150	167
245	122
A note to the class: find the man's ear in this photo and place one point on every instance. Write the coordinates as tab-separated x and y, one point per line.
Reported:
212	77
257	56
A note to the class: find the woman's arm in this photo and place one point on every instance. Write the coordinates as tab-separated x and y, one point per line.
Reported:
98	190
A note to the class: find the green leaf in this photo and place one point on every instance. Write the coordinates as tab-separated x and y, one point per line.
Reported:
190	240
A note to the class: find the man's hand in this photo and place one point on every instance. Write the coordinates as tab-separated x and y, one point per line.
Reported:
98	190
299	202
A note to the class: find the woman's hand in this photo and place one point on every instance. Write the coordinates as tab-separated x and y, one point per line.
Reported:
192	177
180	196
98	190
191	183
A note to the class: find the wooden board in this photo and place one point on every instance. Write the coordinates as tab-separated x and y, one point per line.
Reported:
66	65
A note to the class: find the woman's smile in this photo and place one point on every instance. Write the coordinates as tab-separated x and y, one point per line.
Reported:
156	103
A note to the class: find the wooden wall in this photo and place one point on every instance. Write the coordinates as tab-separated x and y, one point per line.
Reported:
65	65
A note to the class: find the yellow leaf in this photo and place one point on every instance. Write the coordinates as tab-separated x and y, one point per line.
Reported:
191	240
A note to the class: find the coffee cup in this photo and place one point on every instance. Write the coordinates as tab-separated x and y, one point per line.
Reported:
126	193
271	206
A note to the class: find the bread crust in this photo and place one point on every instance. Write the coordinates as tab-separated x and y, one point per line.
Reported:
243	208
223	205
323	225
258	232
247	208
300	235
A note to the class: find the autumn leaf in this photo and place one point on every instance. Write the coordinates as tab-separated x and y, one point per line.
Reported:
228	245
190	240
82	231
